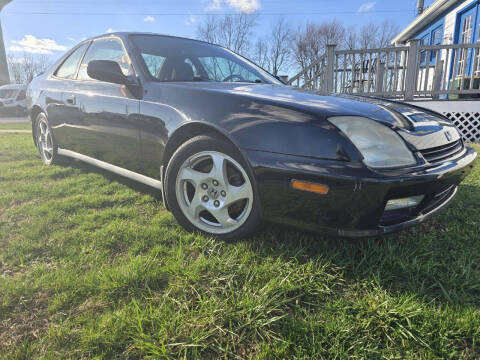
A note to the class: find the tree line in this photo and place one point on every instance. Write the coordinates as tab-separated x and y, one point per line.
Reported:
284	46
281	50
23	69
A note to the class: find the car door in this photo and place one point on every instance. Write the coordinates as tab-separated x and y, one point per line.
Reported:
59	110
103	117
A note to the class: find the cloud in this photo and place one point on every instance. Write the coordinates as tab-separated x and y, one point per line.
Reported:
215	5
149	19
366	7
71	39
34	45
110	30
190	20
245	6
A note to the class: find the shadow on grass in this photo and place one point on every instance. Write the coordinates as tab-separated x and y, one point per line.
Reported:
134	185
436	260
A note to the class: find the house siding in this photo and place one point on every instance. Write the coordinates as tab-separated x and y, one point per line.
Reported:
448	21
451	22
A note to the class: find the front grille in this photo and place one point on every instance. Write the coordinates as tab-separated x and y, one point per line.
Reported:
439	153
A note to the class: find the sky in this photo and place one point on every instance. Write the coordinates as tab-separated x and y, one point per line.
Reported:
52	27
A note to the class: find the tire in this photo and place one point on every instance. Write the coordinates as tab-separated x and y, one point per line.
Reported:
209	188
45	141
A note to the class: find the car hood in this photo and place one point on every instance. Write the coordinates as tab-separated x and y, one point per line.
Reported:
419	127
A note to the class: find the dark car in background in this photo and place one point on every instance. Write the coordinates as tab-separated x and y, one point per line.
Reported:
229	145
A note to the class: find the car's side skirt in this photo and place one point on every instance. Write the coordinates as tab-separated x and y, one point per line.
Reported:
112	168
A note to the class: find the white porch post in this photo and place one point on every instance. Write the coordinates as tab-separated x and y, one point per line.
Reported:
411	71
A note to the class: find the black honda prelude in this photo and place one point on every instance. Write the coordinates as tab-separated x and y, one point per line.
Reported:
230	145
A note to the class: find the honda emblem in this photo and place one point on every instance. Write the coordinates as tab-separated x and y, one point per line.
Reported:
448	135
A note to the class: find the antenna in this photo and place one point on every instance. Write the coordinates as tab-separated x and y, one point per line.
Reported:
420	6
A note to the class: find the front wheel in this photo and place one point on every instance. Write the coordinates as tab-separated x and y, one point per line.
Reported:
208	189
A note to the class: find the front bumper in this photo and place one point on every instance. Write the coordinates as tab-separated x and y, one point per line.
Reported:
355	203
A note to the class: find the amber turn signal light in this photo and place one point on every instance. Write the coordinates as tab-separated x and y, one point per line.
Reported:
310	187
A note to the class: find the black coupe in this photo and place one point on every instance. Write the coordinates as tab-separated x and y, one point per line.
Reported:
228	144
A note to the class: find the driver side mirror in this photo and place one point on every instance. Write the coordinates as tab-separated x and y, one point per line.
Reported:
108	71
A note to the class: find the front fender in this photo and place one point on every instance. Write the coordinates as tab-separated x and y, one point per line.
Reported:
318	140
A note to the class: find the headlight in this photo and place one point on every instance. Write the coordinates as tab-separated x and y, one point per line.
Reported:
380	146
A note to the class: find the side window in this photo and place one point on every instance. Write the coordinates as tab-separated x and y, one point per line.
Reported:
69	67
154	64
104	49
21	95
196	73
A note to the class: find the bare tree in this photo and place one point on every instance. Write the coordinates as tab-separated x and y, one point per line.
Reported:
376	36
280	51
260	54
351	38
310	41
24	68
387	32
231	31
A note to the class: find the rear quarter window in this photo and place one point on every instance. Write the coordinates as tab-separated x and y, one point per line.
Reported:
68	69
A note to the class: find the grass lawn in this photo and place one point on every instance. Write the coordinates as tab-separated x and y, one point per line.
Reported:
92	268
16	126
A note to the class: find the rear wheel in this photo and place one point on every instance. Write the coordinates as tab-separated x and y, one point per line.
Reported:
44	139
209	189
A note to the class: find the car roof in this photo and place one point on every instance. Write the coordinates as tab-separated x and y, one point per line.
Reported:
129	33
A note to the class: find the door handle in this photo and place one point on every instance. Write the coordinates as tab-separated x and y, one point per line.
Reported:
71	100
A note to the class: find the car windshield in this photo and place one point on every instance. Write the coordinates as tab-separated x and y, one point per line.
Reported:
174	59
8	93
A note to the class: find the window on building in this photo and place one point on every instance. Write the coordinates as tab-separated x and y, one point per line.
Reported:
477	67
437	38
466	38
423	54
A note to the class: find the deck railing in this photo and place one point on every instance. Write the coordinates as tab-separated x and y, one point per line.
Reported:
407	72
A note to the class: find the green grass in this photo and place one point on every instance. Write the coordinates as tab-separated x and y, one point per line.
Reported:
16	126
92	268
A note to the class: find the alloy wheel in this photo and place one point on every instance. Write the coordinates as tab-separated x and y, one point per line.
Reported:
214	192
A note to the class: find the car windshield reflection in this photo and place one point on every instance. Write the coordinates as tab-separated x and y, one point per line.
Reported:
167	59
